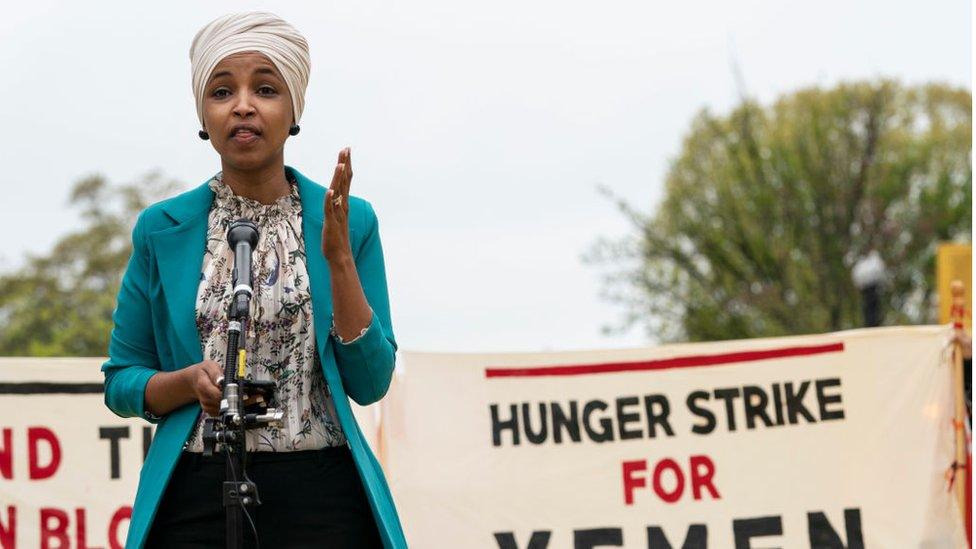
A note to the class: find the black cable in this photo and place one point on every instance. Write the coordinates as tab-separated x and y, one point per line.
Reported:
230	460
254	529
247	515
257	542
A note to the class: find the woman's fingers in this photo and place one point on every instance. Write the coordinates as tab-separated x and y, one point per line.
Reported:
214	372
344	189
344	171
339	176
336	183
334	194
211	407
334	231
332	191
348	171
210	400
209	391
339	192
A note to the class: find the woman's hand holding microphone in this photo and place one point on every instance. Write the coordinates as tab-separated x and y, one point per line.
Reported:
205	381
201	382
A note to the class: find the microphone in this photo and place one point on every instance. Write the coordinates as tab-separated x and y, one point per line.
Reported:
242	237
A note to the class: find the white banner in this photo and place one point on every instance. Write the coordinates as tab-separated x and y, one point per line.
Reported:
838	440
69	467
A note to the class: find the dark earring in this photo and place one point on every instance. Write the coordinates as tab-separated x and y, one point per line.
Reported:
294	130
203	135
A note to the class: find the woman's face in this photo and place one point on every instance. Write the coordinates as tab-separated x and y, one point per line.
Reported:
246	89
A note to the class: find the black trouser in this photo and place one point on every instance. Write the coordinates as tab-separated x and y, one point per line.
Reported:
311	498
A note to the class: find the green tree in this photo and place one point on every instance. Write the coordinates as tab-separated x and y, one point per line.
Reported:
61	303
766	210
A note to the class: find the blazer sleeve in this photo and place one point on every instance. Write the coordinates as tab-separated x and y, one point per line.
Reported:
132	357
366	363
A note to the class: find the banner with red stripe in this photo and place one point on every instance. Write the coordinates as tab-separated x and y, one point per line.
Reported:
835	440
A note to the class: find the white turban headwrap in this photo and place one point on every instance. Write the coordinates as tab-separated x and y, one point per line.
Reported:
252	31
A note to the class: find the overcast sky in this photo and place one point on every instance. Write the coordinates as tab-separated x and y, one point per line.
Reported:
479	131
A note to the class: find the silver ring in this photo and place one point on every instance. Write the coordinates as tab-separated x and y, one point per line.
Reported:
220	379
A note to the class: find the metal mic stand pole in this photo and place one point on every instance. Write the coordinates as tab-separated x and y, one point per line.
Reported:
238	492
227	430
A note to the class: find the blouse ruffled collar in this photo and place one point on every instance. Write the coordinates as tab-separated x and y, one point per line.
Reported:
243	207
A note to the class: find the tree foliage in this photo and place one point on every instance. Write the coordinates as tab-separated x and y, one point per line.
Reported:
767	209
60	303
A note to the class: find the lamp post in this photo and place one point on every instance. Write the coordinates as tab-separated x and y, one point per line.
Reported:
869	275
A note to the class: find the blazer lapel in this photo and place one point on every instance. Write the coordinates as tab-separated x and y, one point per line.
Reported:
179	256
319	280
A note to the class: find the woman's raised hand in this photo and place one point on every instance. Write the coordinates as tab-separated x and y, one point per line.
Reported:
335	231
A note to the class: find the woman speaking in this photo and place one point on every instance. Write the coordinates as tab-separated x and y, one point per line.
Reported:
319	325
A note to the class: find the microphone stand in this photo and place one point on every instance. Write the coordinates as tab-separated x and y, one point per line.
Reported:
228	429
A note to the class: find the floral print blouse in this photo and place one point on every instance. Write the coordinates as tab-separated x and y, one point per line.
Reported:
280	336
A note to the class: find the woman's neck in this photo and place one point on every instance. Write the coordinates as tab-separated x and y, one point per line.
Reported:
266	185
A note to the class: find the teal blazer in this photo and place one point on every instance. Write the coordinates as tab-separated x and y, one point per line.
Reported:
155	330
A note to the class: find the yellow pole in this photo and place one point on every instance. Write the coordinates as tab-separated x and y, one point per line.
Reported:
958	315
